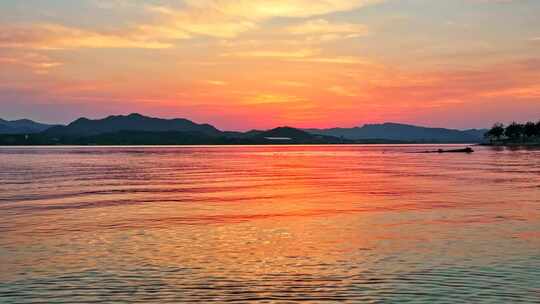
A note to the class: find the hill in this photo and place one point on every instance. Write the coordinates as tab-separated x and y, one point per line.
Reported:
283	135
83	127
403	132
291	135
136	129
22	126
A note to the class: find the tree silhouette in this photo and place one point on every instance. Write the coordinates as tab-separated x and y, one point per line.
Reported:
514	131
529	129
495	132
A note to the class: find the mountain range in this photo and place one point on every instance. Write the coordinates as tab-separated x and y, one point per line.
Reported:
403	132
136	129
22	126
132	122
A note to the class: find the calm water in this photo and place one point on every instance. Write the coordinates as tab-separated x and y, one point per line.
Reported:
270	224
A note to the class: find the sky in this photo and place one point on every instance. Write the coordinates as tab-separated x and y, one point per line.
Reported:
245	64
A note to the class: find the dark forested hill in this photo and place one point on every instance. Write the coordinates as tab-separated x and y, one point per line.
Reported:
136	129
133	122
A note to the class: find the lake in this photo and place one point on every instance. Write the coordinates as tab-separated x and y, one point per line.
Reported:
370	224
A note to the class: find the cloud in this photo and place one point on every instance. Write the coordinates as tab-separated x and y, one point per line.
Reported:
37	63
468	85
266	9
305	55
522	92
216	82
294	84
113	4
187	23
291	54
272	98
52	36
335	60
493	1
342	91
322	26
229	18
211	18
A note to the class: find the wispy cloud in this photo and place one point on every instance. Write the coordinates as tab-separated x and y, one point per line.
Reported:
336	60
290	54
322	26
211	18
272	98
52	36
37	63
265	9
306	55
216	82
342	91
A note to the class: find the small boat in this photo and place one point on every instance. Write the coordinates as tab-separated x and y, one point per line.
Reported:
464	150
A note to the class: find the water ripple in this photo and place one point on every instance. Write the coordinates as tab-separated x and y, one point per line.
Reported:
282	224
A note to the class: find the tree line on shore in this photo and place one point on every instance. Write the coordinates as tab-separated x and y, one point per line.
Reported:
514	132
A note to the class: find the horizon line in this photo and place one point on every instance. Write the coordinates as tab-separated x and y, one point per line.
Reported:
420	125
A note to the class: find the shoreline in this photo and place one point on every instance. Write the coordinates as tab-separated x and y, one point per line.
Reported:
251	144
511	144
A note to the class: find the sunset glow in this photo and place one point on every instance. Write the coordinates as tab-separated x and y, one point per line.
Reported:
244	64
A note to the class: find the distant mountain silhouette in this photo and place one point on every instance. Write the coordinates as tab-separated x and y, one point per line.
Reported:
136	129
274	136
133	122
284	134
402	132
21	126
149	138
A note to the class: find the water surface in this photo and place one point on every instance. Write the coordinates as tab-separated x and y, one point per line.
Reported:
370	224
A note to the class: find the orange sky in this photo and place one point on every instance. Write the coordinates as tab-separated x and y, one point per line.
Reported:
242	64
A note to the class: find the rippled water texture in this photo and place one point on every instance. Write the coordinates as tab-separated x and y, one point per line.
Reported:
270	224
